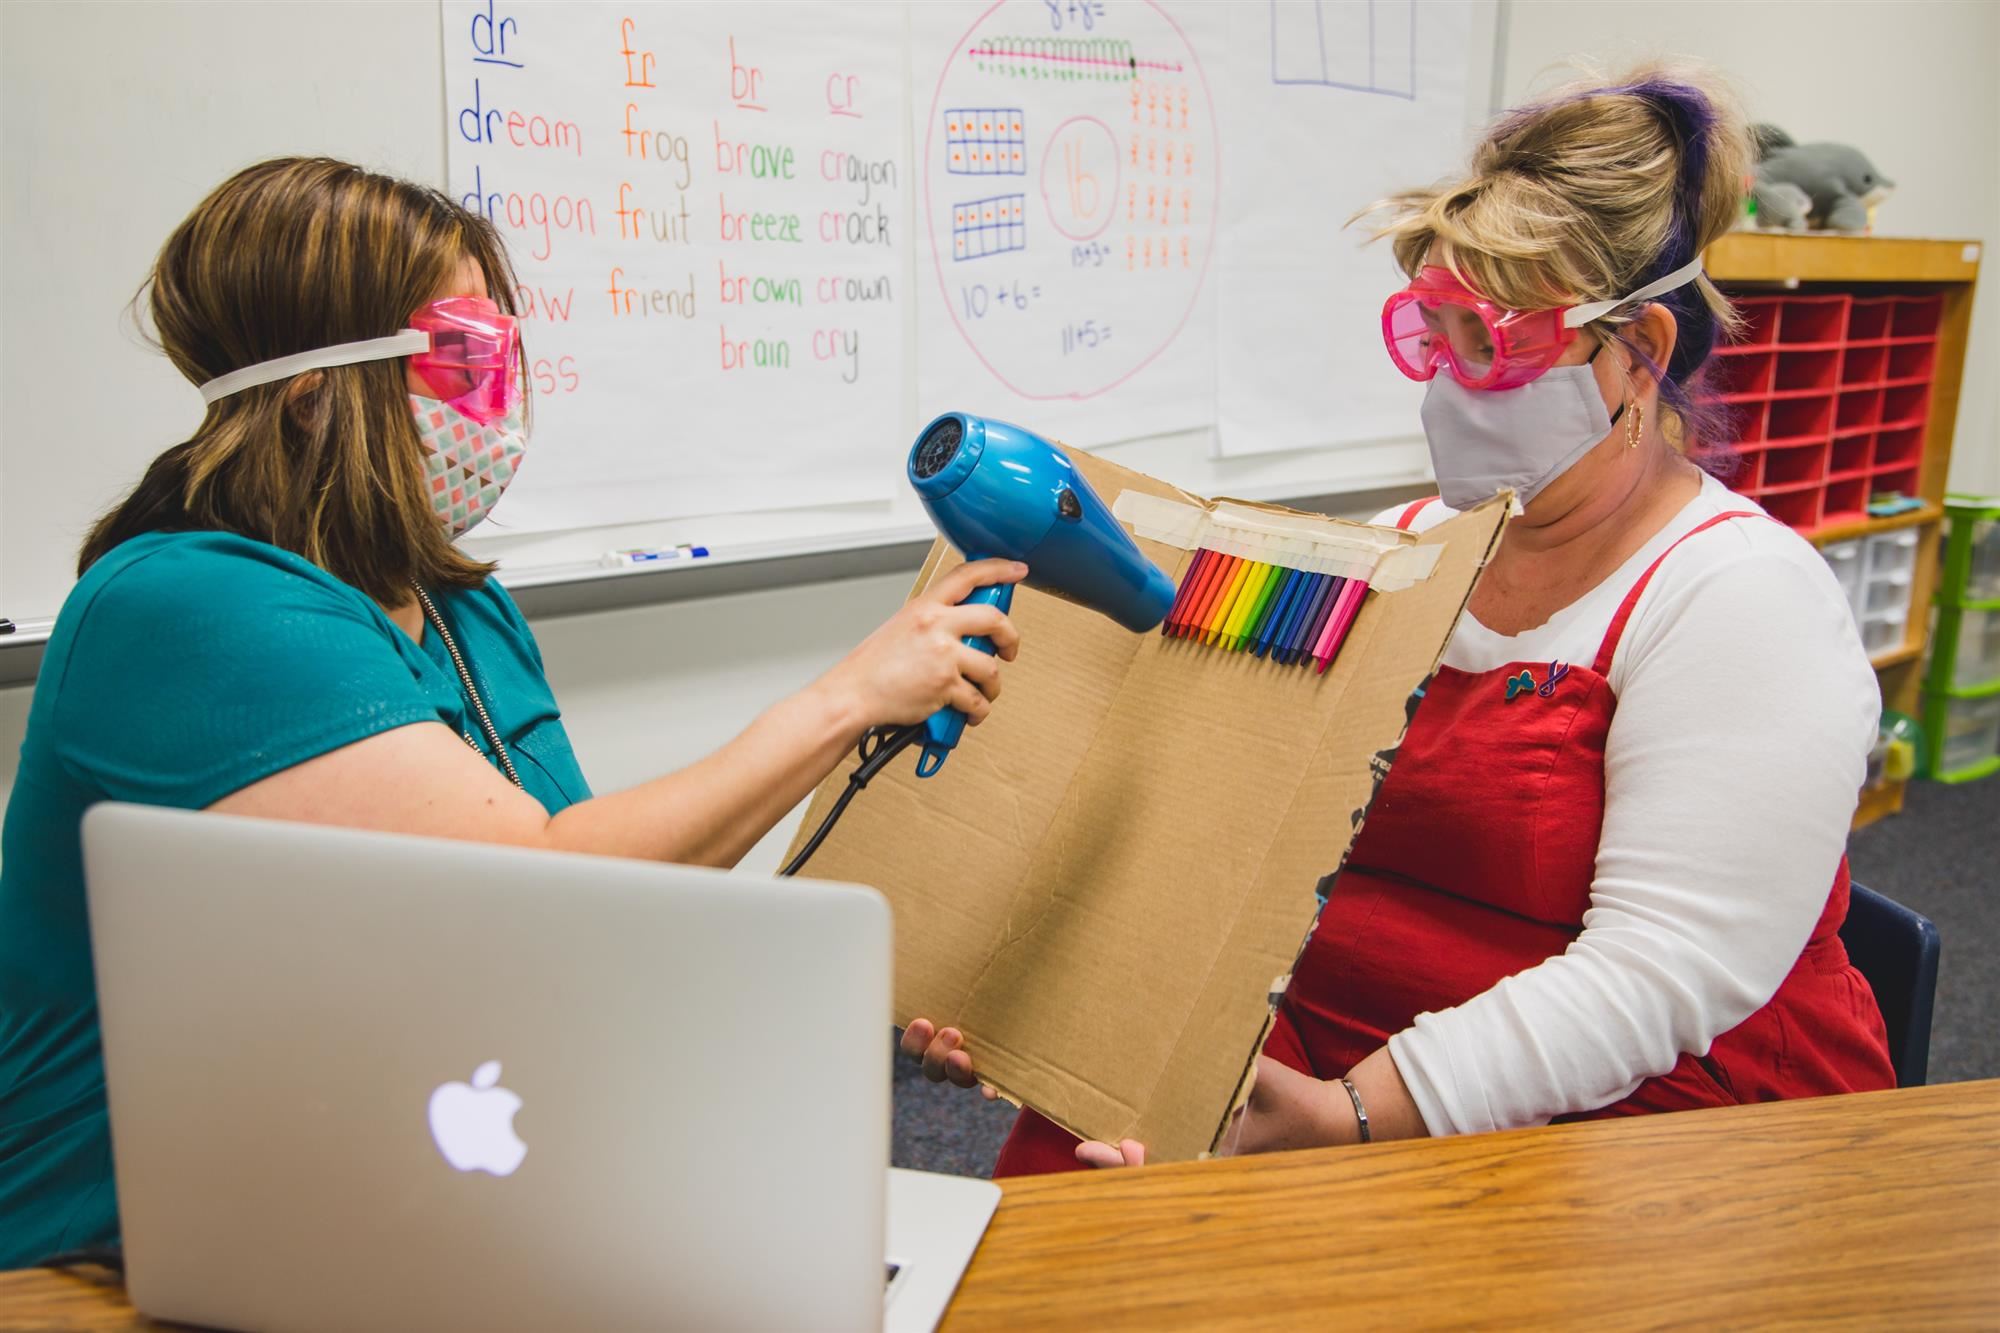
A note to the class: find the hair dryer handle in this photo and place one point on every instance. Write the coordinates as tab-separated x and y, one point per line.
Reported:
943	728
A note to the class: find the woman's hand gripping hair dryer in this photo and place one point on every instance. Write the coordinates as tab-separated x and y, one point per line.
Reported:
997	491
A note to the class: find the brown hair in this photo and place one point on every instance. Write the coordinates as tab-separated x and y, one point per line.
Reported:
284	257
1588	195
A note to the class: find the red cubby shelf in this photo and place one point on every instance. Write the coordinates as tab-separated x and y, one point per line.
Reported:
1845	500
1795	509
1899	482
1868	318
1803	373
1825	396
1905	404
1799	419
1812	321
1912	362
1760	323
1745	376
1901	447
1916	316
1852	456
1863	365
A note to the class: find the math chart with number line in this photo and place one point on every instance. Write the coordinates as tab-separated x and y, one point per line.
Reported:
1069	170
704	205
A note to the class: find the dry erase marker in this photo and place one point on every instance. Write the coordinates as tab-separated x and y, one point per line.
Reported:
1188	585
1226	603
1212	564
633	557
1212	585
1328	647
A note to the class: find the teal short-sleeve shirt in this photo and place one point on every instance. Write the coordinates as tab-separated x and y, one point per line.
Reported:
183	667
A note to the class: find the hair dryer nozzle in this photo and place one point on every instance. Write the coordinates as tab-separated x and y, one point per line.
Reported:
994	489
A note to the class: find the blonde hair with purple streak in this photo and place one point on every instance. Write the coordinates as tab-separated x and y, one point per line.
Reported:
1590	193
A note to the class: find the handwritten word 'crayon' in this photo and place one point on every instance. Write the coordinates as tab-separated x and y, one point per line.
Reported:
870	174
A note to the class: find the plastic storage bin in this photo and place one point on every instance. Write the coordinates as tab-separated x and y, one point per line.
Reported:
1965	650
1963	736
1844	558
1972	551
1882	597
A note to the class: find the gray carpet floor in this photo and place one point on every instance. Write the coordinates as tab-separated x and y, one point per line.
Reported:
1941	857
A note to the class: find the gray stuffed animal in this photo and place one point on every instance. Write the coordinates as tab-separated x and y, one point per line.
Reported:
1840	181
1781	206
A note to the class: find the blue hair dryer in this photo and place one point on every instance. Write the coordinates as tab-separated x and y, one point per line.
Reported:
996	491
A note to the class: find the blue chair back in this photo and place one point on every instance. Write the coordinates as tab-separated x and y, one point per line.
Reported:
1897	950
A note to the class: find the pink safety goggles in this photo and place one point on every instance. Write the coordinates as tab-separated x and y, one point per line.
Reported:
472	360
463	349
1438	323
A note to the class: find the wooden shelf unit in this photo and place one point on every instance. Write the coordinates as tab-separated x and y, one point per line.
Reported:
1870	266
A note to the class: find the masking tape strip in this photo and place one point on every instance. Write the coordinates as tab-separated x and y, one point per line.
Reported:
1383	560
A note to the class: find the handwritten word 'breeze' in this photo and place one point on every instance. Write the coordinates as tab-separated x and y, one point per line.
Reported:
649	301
834	164
531	212
667	227
760	290
762	161
479	125
662	146
759	226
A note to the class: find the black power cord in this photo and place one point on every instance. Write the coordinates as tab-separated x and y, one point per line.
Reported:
95	1256
878	746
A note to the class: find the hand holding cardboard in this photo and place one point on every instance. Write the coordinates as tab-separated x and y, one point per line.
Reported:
1102	893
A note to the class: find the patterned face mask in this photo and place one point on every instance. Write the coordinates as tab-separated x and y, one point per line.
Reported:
466	465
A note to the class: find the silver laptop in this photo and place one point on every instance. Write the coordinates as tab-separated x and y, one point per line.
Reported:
367	1081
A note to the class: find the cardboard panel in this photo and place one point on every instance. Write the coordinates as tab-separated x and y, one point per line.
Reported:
1106	878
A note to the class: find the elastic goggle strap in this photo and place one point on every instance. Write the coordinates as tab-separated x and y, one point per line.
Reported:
407	343
1680	277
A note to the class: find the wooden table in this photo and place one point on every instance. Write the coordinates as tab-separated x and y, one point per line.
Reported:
1880	1209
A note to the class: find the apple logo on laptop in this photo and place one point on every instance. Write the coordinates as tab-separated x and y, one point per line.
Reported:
473	1123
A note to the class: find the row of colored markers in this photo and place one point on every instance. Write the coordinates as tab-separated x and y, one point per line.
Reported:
1291	616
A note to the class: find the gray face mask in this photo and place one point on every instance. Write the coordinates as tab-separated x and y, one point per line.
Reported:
1523	439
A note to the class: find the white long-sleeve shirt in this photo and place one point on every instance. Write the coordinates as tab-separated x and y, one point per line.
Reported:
1745	710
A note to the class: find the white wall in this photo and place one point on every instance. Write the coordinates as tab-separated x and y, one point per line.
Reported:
1912	83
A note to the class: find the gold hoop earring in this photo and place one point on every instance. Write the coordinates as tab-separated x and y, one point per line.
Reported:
1633	426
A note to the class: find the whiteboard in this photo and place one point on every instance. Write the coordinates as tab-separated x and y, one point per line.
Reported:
97	172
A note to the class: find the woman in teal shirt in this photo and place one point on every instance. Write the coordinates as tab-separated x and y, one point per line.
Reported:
276	623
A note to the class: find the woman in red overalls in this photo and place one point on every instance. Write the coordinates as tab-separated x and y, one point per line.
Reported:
1605	874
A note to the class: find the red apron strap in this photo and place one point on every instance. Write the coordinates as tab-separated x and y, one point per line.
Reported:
1617	628
1410	514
